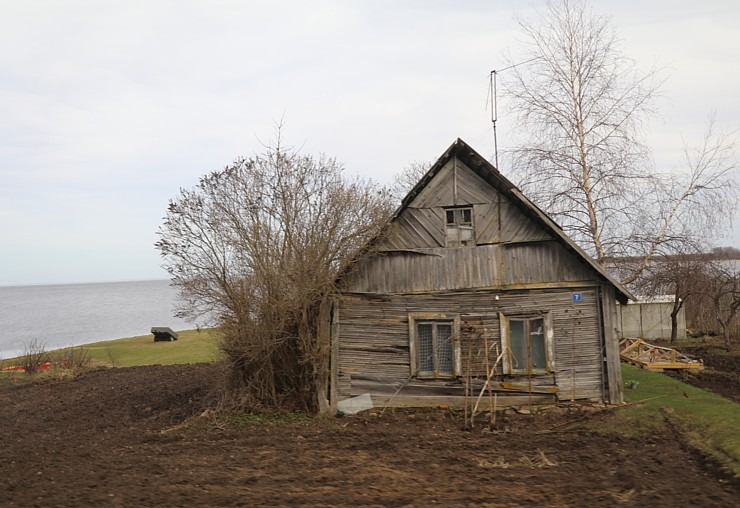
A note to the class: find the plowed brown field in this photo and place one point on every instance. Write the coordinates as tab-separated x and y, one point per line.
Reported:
114	438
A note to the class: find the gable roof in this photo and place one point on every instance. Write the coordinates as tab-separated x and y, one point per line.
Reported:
493	177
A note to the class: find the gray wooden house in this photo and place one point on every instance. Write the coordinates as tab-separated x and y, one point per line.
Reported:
472	281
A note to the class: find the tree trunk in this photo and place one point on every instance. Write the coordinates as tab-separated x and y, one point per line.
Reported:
324	338
726	335
725	330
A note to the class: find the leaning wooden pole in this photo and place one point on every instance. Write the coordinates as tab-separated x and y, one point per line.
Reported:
490	391
488	381
467	389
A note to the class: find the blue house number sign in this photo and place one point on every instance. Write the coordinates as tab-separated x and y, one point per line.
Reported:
577	297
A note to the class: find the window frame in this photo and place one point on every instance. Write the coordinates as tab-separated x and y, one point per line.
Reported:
458	224
505	324
423	318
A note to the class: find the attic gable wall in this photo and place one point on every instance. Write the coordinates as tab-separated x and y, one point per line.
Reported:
454	185
421	225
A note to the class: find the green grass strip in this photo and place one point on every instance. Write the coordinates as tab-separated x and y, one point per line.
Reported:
192	346
708	422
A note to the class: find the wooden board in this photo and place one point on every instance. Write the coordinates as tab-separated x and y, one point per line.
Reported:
374	336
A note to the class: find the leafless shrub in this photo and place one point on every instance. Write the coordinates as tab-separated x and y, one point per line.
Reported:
74	359
112	357
34	356
258	246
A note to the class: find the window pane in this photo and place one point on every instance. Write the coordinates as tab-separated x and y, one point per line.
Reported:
424	352
517	344
444	348
459	227
537	340
467	216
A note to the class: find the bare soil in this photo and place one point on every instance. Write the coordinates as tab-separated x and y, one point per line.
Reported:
721	373
116	438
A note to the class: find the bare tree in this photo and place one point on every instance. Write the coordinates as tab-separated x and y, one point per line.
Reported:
407	178
583	105
723	289
258	246
682	275
693	206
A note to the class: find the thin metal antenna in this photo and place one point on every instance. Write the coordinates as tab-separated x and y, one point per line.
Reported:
494	113
494	101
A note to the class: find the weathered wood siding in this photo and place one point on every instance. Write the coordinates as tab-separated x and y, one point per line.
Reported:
373	342
611	345
484	266
511	248
518	265
496	219
416	228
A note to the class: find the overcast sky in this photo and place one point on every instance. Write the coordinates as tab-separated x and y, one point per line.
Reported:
107	108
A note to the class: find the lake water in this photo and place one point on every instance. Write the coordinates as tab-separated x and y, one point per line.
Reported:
74	314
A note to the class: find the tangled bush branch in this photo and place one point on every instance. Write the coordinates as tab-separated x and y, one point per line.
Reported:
257	246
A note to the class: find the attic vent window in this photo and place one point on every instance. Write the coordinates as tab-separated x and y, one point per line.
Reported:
459	227
460	216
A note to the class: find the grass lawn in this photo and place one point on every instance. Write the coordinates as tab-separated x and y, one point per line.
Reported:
708	422
192	346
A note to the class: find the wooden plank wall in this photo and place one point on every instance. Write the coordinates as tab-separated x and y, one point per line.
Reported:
374	341
511	248
424	228
416	228
496	219
611	346
483	266
515	258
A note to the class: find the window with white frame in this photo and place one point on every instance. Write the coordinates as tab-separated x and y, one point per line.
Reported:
459	227
433	345
527	343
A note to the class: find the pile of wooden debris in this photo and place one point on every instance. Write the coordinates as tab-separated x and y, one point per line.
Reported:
648	356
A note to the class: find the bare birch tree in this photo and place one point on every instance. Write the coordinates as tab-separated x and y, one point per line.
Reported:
258	246
583	106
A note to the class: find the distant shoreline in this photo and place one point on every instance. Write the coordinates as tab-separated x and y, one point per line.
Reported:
51	284
62	315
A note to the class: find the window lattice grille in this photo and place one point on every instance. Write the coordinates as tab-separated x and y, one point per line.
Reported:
434	350
424	347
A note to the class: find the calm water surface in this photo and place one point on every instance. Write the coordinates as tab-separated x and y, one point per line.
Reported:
73	314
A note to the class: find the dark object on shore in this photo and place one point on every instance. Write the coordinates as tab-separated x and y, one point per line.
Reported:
163	334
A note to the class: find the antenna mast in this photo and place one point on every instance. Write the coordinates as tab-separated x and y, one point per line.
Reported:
494	112
494	102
